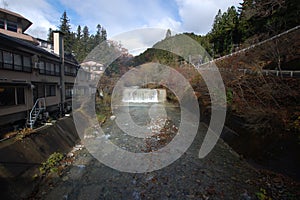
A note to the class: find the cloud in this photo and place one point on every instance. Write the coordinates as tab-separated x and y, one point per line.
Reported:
165	23
197	16
136	41
119	16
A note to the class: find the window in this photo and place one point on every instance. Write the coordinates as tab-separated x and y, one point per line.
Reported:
27	64
57	71
20	96
10	96
42	67
7	60
40	90
43	44
17	62
52	70
50	90
7	96
73	71
48	68
1	59
12	26
69	91
2	24
67	70
70	70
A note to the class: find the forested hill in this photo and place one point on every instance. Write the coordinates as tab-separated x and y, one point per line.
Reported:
251	22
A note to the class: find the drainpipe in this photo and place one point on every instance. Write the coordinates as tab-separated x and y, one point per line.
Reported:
58	40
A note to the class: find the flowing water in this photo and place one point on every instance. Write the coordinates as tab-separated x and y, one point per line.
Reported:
150	120
136	95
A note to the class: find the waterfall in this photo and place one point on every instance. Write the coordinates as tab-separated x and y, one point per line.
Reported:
134	95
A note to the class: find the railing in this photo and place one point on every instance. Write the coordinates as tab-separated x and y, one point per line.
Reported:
38	107
282	73
250	47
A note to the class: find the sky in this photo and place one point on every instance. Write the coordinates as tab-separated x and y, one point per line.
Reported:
119	16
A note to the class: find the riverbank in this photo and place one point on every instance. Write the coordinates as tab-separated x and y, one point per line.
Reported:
223	174
21	157
278	152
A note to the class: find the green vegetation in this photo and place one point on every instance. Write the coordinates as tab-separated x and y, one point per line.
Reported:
80	42
255	98
254	21
235	29
51	164
229	96
262	195
23	133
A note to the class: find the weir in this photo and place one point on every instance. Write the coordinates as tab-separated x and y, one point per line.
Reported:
144	95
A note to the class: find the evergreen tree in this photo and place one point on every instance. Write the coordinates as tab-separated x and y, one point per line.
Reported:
65	28
225	32
103	34
81	42
78	35
231	28
168	34
77	47
98	35
244	28
216	33
86	34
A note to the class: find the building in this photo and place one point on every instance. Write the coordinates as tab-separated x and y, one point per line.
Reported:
15	25
34	75
96	69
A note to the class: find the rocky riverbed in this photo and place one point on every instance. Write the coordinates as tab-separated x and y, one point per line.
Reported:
223	174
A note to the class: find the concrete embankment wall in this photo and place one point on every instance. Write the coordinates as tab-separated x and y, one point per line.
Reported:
17	157
19	160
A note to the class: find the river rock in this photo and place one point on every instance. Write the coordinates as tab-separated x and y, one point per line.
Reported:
113	117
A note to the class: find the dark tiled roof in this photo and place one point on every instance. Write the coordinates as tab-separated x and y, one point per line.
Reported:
11	13
24	45
12	41
69	57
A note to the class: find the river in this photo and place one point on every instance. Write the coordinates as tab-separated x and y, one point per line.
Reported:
222	174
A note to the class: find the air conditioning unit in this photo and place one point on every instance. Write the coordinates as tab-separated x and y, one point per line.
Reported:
35	61
36	65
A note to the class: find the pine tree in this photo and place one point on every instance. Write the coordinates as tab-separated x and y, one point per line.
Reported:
77	47
216	33
168	34
103	34
78	35
65	28
231	28
98	35
80	42
224	33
